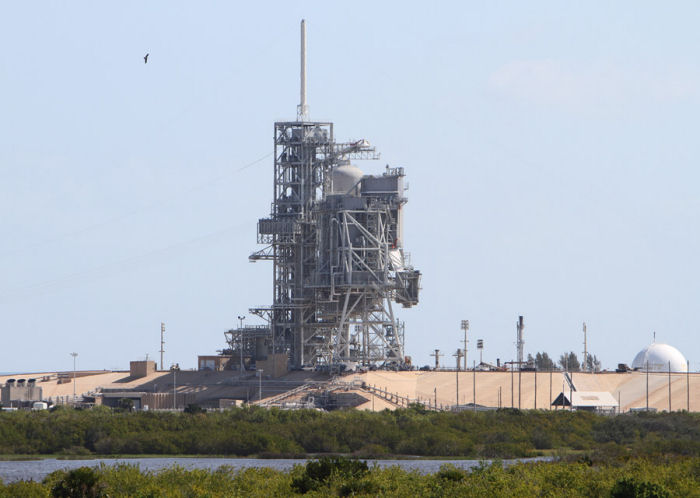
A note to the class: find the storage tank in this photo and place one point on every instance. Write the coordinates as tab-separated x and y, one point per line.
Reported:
657	357
345	179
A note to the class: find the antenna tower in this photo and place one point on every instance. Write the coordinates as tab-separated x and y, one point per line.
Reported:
585	349
162	344
465	327
520	343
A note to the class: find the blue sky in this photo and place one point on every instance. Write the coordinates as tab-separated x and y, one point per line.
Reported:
550	149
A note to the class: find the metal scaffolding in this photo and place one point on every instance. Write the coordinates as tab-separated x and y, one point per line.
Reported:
334	236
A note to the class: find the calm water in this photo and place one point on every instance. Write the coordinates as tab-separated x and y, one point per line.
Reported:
38	469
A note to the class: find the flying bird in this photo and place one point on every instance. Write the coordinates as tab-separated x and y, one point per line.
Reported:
145	59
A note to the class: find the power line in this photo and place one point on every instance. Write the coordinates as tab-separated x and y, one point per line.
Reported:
105	270
133	212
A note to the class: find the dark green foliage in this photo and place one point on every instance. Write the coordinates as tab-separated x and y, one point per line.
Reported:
254	431
638	477
631	487
324	468
126	404
543	362
318	473
193	408
82	482
592	363
569	362
451	473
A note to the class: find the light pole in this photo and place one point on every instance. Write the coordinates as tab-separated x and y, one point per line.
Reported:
173	369
465	327
240	344
260	371
74	355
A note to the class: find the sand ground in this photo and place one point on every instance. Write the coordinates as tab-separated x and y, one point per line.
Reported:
485	388
512	390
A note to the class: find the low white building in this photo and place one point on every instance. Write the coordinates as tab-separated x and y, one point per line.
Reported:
586	400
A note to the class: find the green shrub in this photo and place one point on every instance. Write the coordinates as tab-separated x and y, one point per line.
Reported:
630	487
82	482
449	472
193	408
319	472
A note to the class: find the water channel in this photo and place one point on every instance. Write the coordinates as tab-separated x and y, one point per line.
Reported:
13	470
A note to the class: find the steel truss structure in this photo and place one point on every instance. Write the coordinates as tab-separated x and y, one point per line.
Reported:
337	257
334	237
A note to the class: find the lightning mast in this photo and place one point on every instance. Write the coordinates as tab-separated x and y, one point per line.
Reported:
302	108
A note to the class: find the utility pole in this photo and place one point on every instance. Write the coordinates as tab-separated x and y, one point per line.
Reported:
648	382
474	386
437	356
619	403
520	384
563	396
571	396
260	372
240	344
512	386
457	390
535	388
465	326
585	349
162	344
669	387
173	369
74	355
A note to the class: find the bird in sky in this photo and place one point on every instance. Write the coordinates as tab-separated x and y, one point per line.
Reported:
145	59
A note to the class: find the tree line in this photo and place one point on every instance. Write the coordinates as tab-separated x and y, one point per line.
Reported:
567	361
248	431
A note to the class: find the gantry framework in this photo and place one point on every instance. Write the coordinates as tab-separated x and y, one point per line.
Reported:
338	260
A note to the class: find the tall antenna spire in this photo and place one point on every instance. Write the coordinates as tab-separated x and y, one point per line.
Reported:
585	348
302	108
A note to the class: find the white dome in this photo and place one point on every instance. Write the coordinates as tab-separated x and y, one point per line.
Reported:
345	178
658	356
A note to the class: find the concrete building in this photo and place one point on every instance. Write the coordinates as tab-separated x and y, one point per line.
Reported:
21	390
139	369
215	363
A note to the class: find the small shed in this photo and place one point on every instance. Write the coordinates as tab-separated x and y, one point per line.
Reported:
216	363
599	401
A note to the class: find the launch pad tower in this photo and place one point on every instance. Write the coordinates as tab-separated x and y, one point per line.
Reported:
335	238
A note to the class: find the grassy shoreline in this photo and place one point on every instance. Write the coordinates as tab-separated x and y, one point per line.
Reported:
662	477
